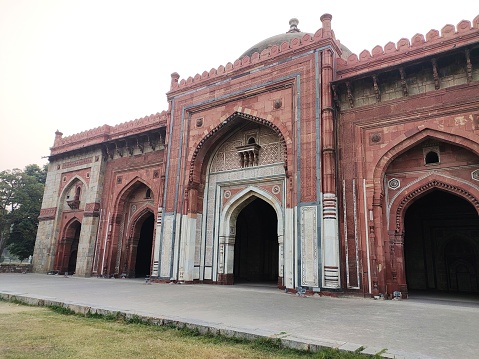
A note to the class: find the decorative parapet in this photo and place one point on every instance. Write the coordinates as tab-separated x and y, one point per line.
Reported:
325	32
104	133
92	209
47	214
404	50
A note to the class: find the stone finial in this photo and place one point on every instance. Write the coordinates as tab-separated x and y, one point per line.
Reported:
326	24
174	79
293	25
58	138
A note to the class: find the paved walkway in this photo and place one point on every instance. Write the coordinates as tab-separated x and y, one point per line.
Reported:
413	328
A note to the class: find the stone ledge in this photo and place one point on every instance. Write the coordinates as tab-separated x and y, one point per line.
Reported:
204	328
15	268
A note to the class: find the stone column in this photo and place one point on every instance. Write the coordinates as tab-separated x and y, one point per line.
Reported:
397	267
330	238
378	272
226	260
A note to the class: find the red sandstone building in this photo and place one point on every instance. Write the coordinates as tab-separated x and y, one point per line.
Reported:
300	163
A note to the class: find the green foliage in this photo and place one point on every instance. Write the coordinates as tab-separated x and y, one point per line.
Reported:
61	310
21	195
135	319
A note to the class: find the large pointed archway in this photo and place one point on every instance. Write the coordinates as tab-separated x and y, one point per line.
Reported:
250	246
138	250
243	159
441	244
67	251
135	204
144	245
256	244
406	170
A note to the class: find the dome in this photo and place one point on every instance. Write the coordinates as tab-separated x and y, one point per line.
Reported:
293	33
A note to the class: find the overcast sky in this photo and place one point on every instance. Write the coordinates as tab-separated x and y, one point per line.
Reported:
75	65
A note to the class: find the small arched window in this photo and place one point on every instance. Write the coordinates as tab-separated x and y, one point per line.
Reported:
148	193
251	141
432	157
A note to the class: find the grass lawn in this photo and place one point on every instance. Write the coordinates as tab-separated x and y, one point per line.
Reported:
37	332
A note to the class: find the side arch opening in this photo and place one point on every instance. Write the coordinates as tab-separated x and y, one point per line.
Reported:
441	245
67	251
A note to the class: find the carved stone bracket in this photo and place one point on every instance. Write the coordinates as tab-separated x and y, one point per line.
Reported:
377	92
350	94
153	142
119	150
435	74
130	149
140	145
335	96
405	91
74	204
468	66
109	152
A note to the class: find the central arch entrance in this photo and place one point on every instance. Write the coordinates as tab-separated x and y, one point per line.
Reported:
256	244
441	244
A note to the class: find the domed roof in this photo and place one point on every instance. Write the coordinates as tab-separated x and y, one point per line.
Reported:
293	33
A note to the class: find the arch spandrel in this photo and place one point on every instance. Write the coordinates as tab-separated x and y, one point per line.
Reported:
130	188
197	166
433	182
70	189
405	142
266	145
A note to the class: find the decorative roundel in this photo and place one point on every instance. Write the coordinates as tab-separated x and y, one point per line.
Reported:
227	194
375	138
133	208
475	175
276	189
394	183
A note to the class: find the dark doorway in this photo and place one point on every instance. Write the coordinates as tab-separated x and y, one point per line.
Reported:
256	244
72	258
441	244
144	249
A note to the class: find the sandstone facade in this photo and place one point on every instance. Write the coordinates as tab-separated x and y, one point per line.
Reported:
299	163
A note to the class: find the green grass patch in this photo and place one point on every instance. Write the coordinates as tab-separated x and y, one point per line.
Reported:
56	332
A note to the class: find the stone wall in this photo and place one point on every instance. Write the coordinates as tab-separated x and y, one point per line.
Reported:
15	268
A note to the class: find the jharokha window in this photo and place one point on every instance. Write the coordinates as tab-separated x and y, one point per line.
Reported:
75	203
249	153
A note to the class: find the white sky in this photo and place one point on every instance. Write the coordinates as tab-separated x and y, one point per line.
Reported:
74	65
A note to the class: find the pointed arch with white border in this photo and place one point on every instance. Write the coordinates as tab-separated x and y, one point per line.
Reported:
241	200
225	236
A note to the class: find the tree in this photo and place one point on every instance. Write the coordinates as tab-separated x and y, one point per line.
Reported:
20	203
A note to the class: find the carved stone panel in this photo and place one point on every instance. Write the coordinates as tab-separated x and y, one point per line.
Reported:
309	246
166	245
267	142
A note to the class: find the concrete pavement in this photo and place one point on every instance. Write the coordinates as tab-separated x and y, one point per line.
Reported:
414	328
